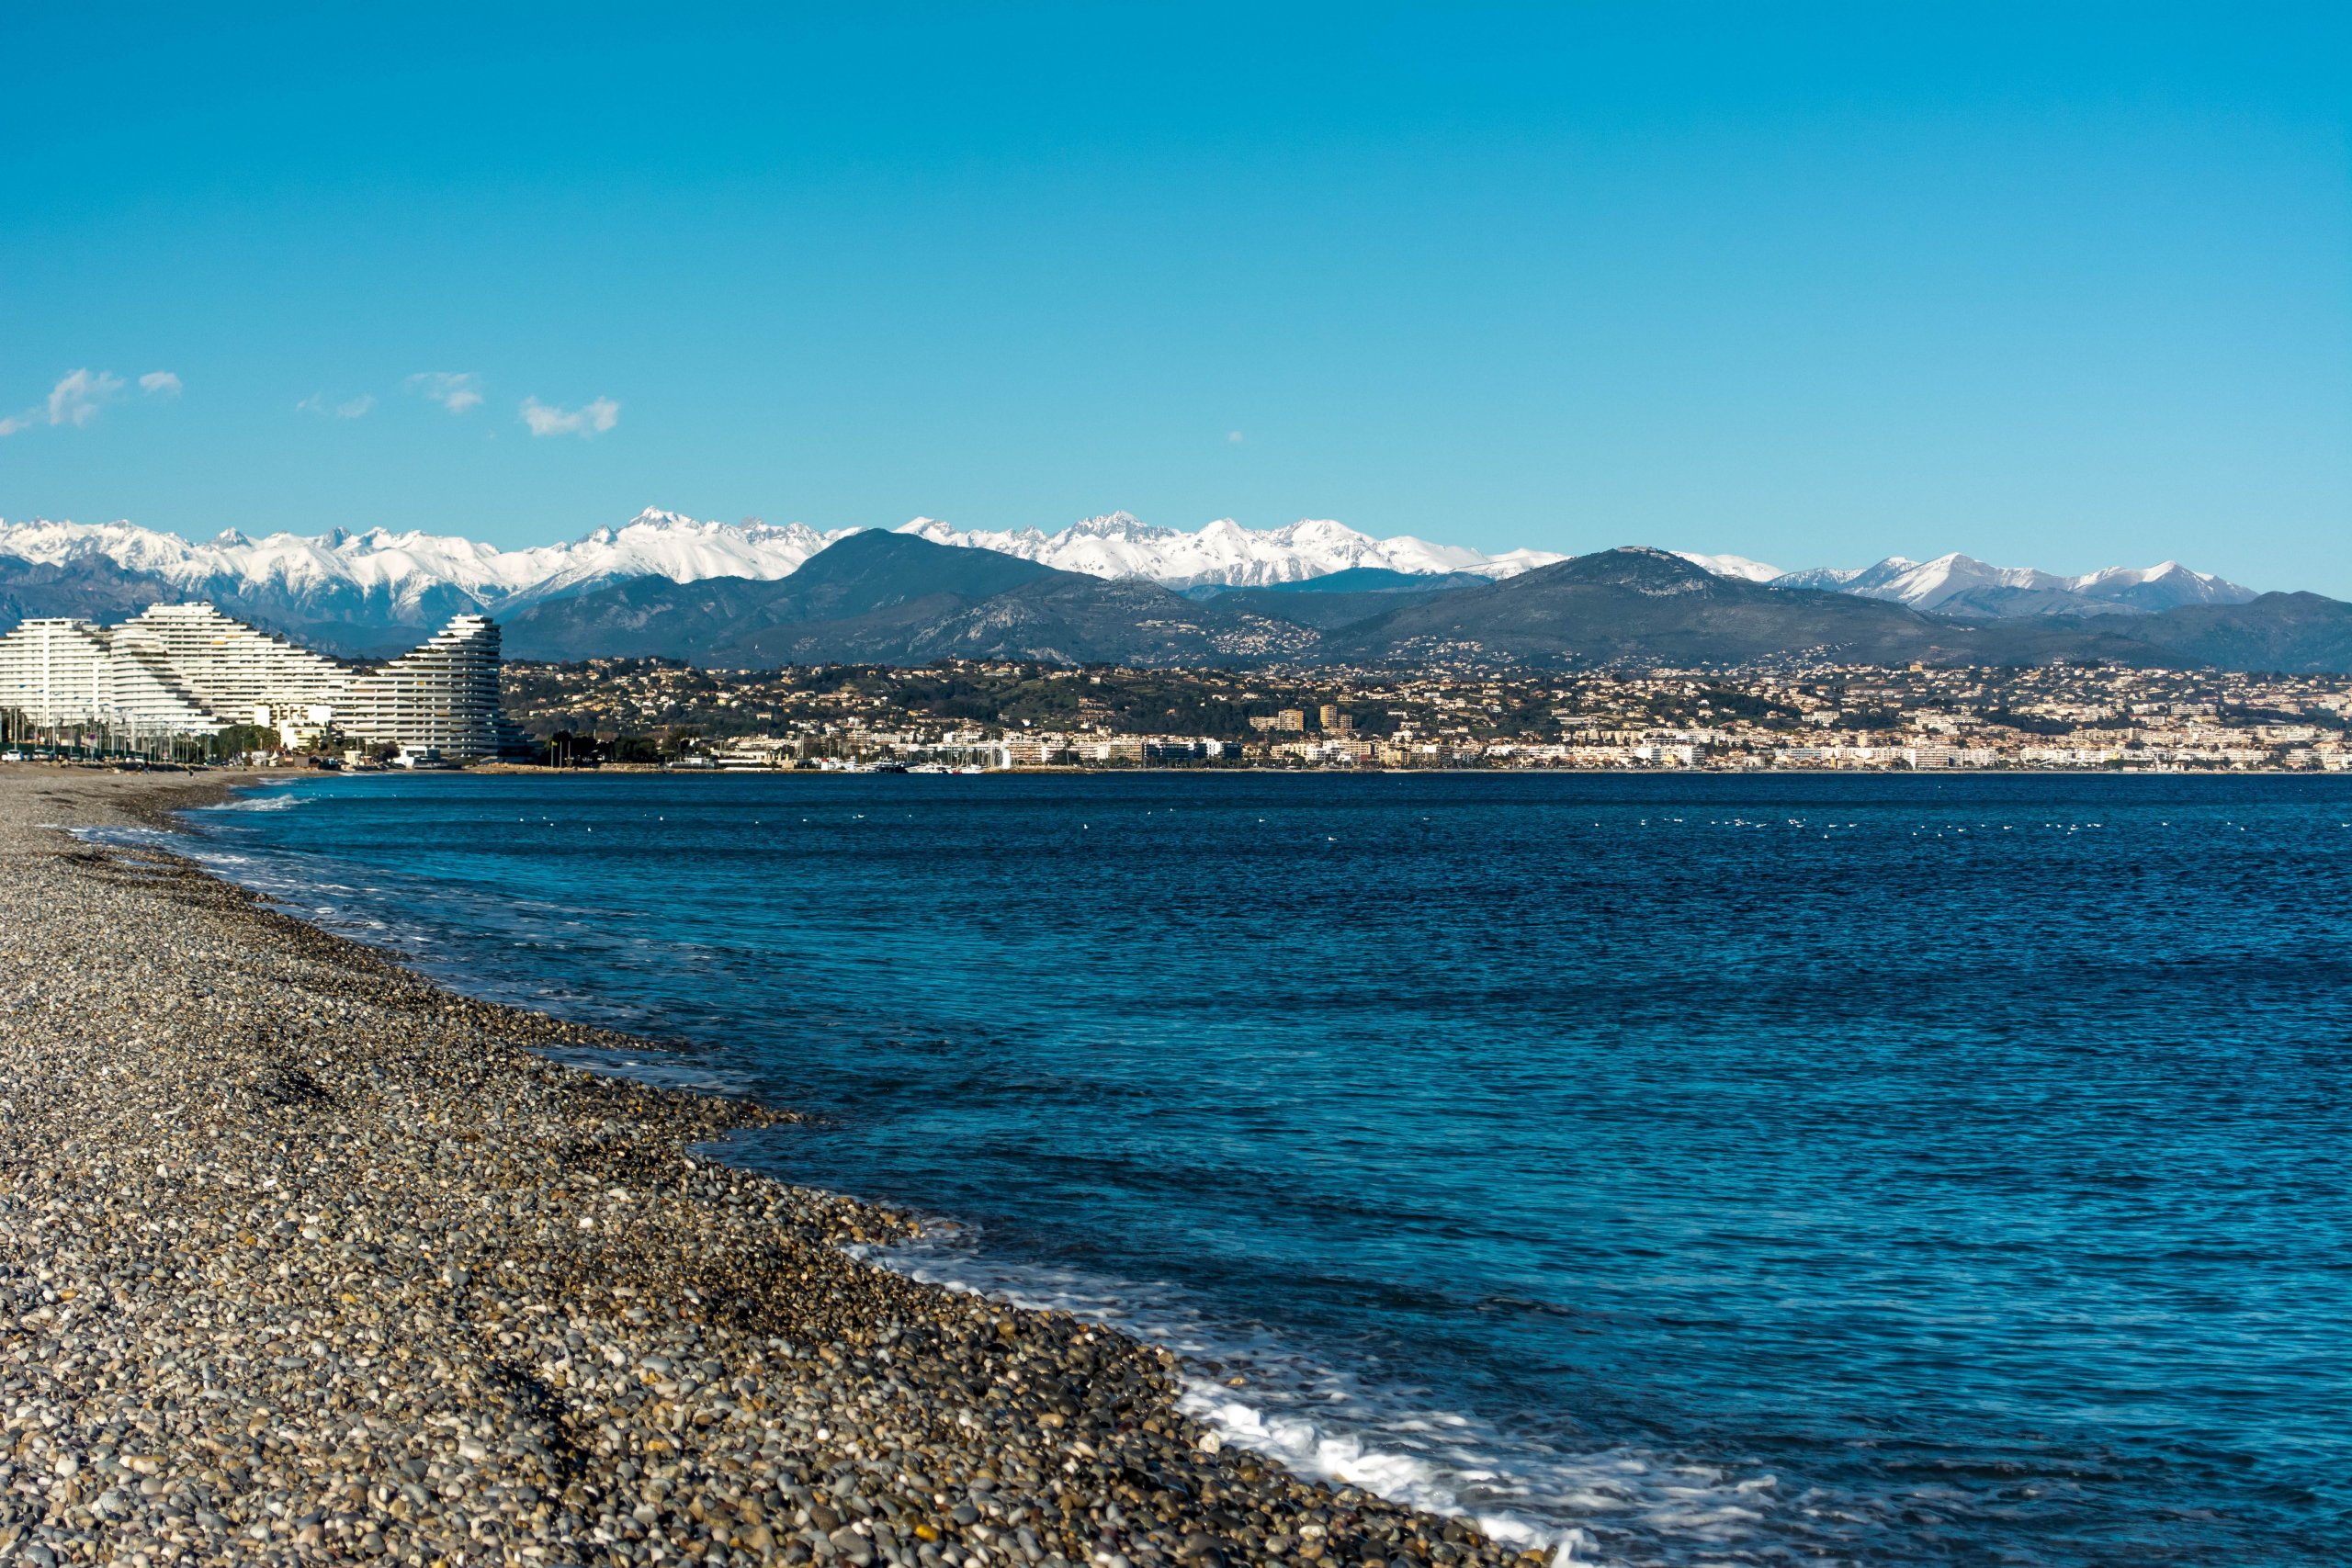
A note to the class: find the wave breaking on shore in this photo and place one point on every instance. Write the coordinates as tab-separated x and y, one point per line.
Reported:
319	1260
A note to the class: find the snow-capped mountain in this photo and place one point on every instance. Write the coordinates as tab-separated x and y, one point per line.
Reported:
2164	586
1956	584
412	579
666	544
376	578
1120	545
392	572
1740	567
371	592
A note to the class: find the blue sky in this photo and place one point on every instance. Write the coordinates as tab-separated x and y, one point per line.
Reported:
2054	285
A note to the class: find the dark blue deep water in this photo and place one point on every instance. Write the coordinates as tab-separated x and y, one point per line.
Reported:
1884	1171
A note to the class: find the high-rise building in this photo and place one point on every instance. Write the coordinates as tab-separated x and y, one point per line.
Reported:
53	671
189	670
442	696
233	669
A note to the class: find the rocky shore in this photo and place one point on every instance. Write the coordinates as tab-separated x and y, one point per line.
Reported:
305	1259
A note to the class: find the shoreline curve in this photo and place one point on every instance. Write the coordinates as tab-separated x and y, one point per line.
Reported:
305	1257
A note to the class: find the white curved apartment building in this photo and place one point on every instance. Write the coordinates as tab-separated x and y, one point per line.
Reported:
189	670
53	671
58	671
443	695
233	669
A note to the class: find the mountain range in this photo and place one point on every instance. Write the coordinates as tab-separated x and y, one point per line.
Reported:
1959	585
1224	553
376	587
1114	589
898	598
894	598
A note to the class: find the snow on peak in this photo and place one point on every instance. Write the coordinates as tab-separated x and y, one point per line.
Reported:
1739	566
1124	526
407	576
383	573
1223	552
1957	583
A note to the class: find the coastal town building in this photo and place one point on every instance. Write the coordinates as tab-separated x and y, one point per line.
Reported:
229	669
56	672
1824	717
441	696
188	670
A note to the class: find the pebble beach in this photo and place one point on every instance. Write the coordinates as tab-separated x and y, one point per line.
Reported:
305	1259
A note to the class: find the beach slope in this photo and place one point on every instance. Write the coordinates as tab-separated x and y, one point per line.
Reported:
305	1259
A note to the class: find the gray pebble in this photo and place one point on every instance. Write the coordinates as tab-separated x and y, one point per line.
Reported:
303	1259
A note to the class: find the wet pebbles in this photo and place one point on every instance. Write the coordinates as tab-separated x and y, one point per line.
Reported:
305	1260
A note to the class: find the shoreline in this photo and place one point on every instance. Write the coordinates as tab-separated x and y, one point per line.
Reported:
308	1257
640	770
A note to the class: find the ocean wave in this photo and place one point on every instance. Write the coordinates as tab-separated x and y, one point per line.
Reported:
1356	1459
1610	1339
1619	1505
1241	1381
145	837
278	800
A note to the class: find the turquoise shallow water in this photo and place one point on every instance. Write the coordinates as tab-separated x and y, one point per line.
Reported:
1886	1170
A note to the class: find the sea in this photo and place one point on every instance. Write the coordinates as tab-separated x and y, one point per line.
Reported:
1660	1169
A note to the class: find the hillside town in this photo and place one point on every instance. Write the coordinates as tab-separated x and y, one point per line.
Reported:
1001	714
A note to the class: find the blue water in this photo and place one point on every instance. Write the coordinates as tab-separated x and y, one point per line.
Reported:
1857	1170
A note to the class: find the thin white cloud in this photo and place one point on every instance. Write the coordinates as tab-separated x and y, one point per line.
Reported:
1233	436
455	390
77	397
81	395
350	408
594	419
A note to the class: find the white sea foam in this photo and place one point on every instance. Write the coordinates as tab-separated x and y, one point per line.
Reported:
1620	1505
278	800
145	837
1617	1505
1348	1458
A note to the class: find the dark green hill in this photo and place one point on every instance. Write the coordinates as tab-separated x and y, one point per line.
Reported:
872	580
1642	605
2296	634
1373	580
1340	598
892	598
